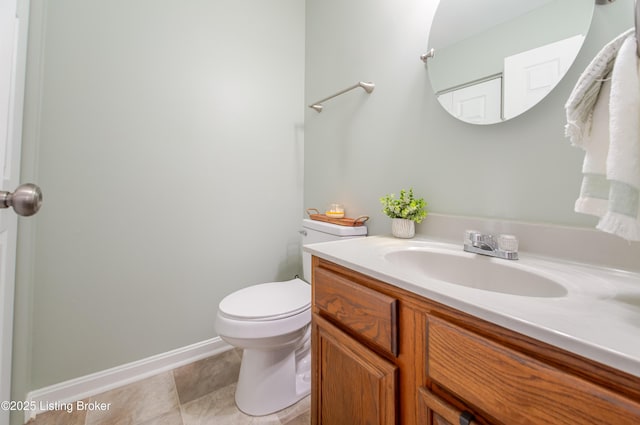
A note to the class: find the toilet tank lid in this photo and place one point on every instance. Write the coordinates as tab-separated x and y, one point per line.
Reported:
268	301
334	229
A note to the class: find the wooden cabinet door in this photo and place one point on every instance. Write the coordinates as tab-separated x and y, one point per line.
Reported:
515	388
352	384
435	411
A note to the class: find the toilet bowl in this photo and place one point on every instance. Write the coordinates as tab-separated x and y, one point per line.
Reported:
271	322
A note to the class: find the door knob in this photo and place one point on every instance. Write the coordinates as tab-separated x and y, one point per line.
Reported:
25	200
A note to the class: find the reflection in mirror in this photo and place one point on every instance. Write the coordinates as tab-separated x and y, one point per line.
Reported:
495	59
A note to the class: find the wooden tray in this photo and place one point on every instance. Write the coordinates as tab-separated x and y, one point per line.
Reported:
314	214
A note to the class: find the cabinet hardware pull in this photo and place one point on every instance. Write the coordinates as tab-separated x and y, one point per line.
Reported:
466	418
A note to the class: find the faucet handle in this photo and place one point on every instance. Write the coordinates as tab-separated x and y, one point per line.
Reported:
508	243
480	240
471	236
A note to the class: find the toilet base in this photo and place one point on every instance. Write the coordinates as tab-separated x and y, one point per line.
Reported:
272	380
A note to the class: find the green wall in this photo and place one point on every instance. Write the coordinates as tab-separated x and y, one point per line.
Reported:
167	138
364	146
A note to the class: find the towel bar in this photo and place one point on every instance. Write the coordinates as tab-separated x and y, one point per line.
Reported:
368	87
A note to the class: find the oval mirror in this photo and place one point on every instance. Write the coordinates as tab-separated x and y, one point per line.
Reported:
495	59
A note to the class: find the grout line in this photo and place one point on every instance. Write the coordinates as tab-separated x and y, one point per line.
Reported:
175	388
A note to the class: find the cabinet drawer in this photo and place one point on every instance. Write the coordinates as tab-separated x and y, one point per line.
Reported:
516	389
435	411
368	313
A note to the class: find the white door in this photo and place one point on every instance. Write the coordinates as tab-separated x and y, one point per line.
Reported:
479	103
530	75
13	46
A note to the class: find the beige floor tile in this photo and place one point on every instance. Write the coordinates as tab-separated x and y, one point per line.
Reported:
219	408
298	414
171	418
60	417
137	403
205	376
303	419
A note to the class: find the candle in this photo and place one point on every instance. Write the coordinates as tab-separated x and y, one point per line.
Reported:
335	211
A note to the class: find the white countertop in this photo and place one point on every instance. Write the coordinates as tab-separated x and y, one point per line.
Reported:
598	318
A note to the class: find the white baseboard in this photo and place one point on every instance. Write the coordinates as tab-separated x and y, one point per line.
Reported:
99	382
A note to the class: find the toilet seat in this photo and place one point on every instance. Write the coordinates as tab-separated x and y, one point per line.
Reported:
267	301
276	310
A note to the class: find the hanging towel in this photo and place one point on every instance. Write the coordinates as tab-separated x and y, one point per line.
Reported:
594	192
623	160
603	118
583	98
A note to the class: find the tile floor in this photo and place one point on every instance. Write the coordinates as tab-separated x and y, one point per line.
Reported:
199	393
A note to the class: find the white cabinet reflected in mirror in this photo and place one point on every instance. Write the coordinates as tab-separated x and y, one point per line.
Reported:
495	59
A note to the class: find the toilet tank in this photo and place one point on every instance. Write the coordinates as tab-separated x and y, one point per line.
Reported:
314	231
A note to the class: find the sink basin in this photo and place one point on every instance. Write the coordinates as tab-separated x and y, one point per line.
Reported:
476	271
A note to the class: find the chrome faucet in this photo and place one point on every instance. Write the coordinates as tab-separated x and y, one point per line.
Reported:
502	246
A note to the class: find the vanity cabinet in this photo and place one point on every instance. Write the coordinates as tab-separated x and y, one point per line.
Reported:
357	384
384	355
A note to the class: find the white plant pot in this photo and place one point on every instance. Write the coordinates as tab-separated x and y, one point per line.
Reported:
403	228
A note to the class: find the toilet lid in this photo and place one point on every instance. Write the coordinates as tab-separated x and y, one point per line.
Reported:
268	301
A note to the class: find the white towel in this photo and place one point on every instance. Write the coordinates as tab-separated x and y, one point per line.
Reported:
603	118
594	192
579	106
623	160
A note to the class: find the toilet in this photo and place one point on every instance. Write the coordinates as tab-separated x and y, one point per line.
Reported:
271	322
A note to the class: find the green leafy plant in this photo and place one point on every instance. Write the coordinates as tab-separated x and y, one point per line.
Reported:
406	206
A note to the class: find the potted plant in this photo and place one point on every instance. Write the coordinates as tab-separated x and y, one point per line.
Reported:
404	211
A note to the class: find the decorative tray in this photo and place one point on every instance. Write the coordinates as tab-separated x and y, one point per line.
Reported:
314	214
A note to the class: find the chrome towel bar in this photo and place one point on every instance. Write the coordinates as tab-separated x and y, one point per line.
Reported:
368	87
